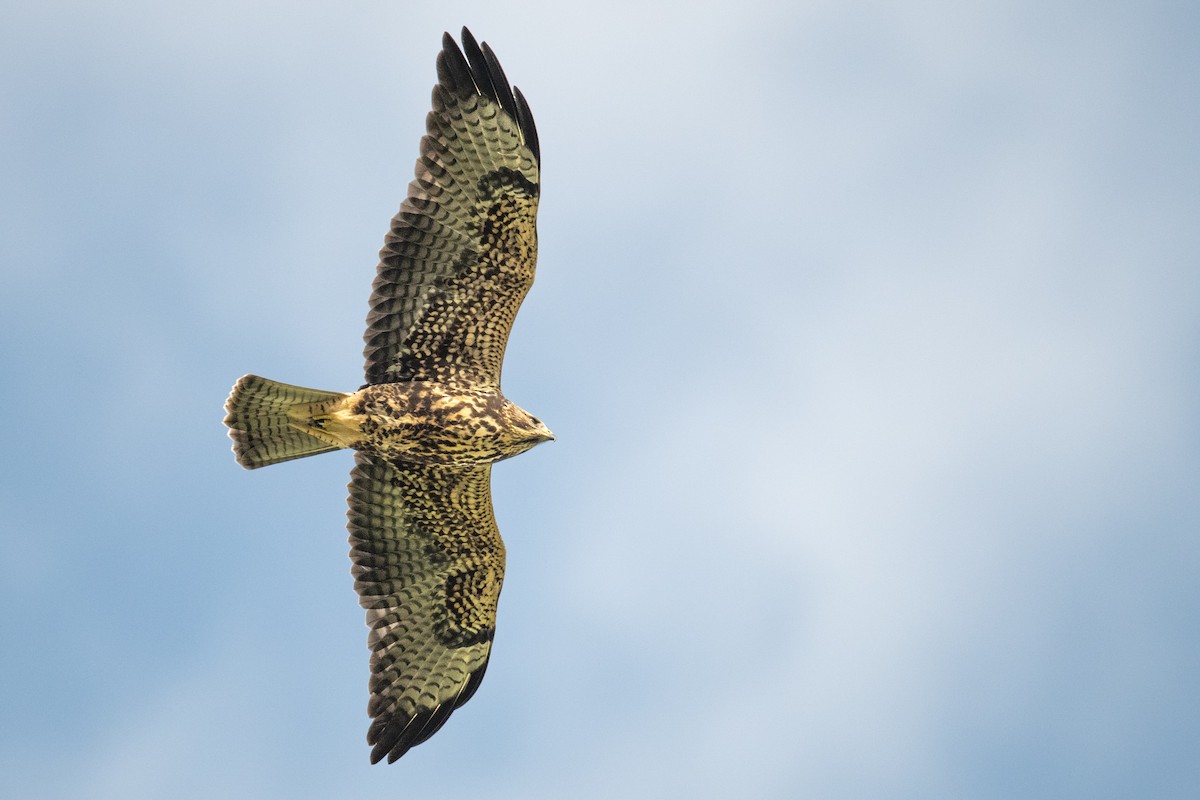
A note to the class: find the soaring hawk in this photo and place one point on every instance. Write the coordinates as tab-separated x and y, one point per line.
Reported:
427	558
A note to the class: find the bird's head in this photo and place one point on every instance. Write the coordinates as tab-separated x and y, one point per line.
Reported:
525	429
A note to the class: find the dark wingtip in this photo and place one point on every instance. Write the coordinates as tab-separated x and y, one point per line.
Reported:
475	68
393	736
471	48
377	753
453	69
528	129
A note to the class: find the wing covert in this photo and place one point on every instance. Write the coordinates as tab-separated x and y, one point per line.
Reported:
428	564
460	255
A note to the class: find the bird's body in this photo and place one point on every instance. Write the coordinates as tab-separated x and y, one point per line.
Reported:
427	558
423	422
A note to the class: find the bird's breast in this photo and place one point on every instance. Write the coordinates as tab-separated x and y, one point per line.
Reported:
429	423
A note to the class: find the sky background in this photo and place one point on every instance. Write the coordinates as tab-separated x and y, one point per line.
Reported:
870	333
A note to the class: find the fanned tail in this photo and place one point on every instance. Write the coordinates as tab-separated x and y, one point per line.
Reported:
262	431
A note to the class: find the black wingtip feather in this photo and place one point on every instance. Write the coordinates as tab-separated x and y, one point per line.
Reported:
457	70
528	129
475	59
503	92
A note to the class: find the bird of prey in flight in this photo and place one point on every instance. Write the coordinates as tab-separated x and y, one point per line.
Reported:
427	558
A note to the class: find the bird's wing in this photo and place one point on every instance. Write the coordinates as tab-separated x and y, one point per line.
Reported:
460	255
428	563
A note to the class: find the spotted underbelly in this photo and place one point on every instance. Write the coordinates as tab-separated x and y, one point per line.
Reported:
425	424
430	442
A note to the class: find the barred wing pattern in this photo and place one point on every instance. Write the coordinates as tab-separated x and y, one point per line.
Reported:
460	255
428	564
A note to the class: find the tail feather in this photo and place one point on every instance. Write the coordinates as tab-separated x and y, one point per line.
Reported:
262	433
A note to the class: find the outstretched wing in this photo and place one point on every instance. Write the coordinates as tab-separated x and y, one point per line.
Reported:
460	255
428	563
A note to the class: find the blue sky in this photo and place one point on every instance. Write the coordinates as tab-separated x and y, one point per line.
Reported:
869	333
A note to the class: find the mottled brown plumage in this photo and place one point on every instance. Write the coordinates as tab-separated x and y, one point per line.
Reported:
428	561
